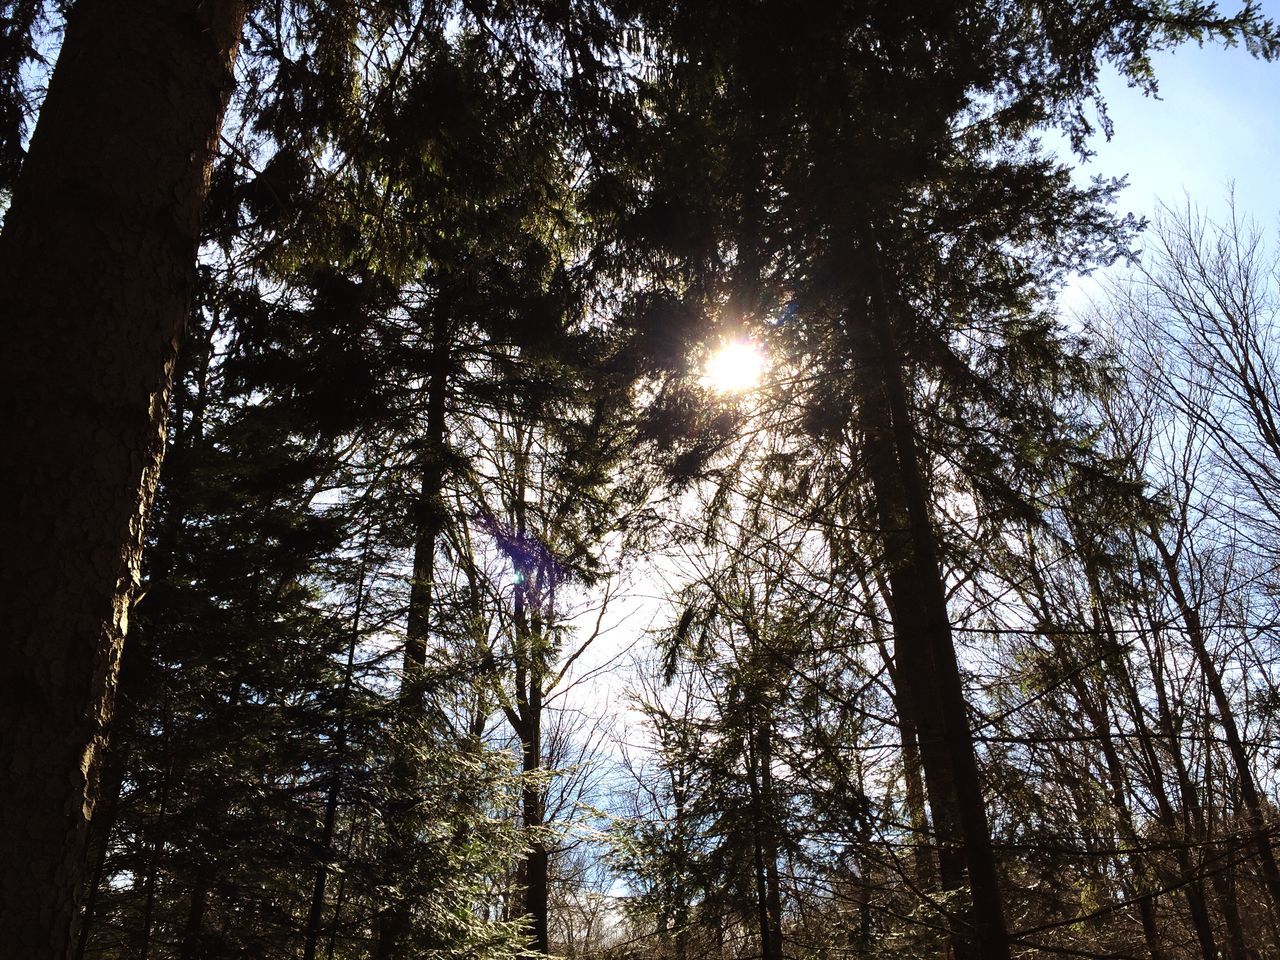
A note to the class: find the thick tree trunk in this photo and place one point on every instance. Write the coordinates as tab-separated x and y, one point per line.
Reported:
97	262
922	628
926	868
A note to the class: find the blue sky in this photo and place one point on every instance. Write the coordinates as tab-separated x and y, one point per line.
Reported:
1217	120
1215	123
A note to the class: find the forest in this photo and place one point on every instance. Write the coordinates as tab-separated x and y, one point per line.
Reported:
621	480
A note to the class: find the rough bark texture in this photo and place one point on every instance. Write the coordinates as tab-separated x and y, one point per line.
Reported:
97	260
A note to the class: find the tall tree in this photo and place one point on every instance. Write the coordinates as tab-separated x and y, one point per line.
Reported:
870	173
97	262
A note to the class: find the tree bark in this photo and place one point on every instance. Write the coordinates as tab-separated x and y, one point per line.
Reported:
97	263
922	628
1193	883
926	870
768	892
533	804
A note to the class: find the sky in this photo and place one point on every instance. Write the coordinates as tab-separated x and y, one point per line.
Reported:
1216	122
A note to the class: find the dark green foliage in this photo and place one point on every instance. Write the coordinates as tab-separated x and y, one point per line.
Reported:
463	265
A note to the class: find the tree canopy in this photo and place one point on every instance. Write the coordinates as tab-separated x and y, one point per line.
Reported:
631	488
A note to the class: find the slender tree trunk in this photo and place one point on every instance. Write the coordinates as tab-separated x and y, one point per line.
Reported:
97	262
1230	730
193	929
430	518
533	804
1193	886
1192	882
1118	793
683	917
311	939
922	629
926	869
763	930
395	924
1222	877
315	915
1096	710
340	899
104	818
157	834
526	720
766	832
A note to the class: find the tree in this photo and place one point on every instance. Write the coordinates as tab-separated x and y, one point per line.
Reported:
98	259
942	675
862	164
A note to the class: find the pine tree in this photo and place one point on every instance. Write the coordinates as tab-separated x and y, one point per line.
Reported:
98	253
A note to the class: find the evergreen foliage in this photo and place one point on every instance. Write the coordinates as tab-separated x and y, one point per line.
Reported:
953	636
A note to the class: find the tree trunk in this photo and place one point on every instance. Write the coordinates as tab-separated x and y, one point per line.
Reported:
1117	795
1227	718
340	898
104	818
923	642
768	893
97	263
926	869
526	721
311	939
1095	708
395	925
533	802
1193	889
158	835
1117	665
193	928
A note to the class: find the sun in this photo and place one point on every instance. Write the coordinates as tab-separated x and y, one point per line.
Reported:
734	368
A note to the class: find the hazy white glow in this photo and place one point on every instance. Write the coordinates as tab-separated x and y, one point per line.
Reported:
734	368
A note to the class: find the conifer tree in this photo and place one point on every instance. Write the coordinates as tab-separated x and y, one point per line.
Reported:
98	259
